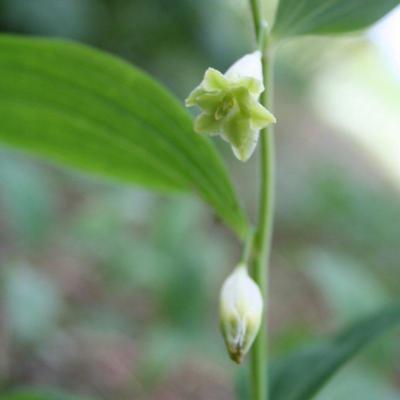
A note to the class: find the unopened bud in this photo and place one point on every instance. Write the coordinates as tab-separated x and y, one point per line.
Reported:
241	307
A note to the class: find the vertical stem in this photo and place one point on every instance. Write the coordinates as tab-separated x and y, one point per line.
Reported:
262	244
263	248
257	14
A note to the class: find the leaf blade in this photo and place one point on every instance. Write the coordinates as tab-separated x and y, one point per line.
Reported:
300	17
89	110
292	378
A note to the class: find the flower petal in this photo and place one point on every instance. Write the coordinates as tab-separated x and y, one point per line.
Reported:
191	100
260	117
209	101
214	80
235	128
206	123
242	137
254	86
249	65
245	150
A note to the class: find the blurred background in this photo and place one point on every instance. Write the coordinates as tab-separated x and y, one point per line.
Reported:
111	292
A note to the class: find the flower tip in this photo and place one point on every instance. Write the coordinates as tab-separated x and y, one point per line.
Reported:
236	357
245	150
241	155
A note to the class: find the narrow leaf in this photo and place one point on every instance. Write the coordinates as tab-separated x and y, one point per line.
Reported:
302	374
299	17
89	110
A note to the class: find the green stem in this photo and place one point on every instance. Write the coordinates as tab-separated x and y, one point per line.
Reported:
262	253
262	243
248	247
257	14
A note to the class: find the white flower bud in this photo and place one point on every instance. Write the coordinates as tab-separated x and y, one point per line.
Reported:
241	308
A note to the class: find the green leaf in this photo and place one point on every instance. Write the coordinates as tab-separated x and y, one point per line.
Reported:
302	374
299	17
89	110
35	394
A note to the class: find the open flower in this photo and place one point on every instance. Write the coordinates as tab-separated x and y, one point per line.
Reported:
241	308
230	107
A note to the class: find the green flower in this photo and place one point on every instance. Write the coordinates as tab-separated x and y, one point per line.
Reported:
230	106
